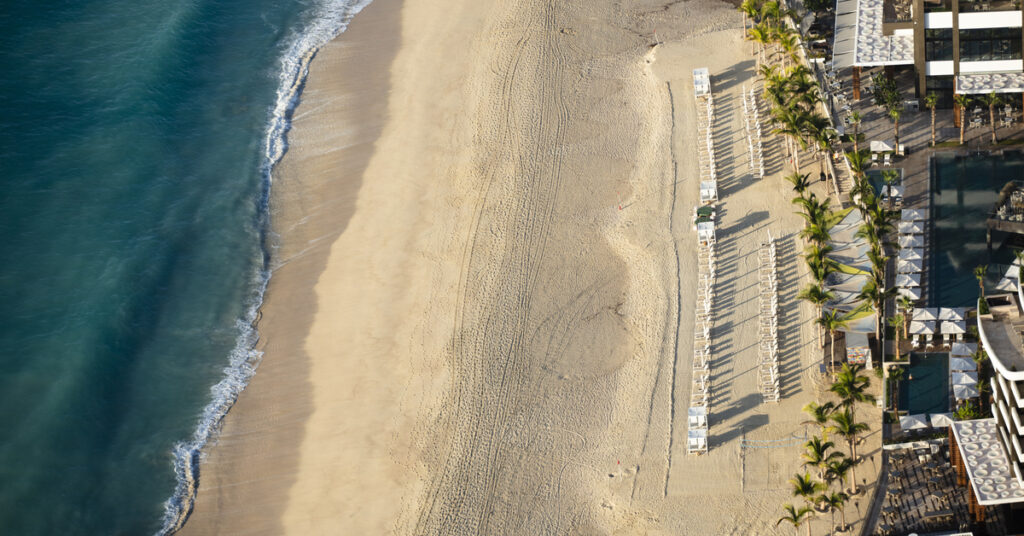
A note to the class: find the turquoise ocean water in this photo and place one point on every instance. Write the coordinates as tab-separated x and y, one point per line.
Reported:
135	149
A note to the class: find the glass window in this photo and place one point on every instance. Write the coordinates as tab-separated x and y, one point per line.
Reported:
990	44
938	44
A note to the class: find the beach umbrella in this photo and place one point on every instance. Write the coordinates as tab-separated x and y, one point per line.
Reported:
1013	271
913	422
912	293
908	280
913	214
908	267
910	227
952	313
922	328
961	363
953	327
925	313
965	378
941	420
963	349
963	392
878	146
911	254
1007	284
911	241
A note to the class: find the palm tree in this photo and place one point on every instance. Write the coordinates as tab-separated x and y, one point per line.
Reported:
789	123
962	101
876	294
907	306
979	273
859	162
788	43
750	10
820	268
800	182
898	323
818	295
844	424
895	375
979	356
852	387
805	486
835	501
838	469
931	100
796	517
992	100
816	454
832	321
855	119
819	415
759	34
895	114
891	176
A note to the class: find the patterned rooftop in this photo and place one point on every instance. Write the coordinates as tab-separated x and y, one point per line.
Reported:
872	48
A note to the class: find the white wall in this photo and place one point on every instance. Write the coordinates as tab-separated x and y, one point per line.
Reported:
938	68
943	19
989	19
998	66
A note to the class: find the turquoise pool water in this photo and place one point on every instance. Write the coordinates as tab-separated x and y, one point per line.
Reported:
964	189
925	387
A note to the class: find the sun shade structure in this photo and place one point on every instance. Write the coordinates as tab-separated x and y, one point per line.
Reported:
953	327
913	214
872	47
965	378
911	254
911	241
878	146
895	191
922	328
1007	285
701	82
964	349
912	293
963	392
914	422
910	227
925	313
908	267
988	468
908	280
941	420
952	313
962	364
973	84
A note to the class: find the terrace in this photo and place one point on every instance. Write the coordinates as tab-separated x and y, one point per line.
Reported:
980	6
1000	331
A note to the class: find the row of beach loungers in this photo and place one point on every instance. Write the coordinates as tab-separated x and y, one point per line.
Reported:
700	390
753	126
768	325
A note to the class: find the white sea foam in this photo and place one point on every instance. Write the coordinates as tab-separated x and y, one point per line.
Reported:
331	18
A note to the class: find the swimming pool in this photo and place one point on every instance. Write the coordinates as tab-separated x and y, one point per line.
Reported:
925	385
963	190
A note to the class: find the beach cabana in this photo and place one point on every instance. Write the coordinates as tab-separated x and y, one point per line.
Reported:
965	378
922	314
911	254
708	191
908	267
910	228
952	313
961	364
697	441
706	231
698	417
913	214
913	422
963	392
912	293
908	280
911	241
1007	284
964	349
941	420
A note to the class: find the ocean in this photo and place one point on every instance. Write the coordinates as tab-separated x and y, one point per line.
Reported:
136	154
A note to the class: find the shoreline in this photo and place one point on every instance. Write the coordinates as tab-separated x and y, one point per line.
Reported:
270	414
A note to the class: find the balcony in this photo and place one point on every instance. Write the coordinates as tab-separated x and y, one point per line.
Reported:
983	6
897	11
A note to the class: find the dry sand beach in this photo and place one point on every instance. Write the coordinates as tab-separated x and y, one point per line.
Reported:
480	318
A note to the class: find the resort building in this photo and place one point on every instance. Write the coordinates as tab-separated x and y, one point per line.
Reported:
953	46
989	453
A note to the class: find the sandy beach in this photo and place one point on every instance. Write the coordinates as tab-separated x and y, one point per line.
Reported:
480	321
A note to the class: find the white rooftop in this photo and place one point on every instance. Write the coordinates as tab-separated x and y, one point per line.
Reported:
989	82
987	466
871	47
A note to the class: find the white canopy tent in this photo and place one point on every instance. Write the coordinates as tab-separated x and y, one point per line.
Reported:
913	214
962	364
911	254
911	241
922	328
952	313
1013	271
912	293
908	267
878	146
963	392
914	422
908	280
925	313
910	227
941	420
965	378
953	327
964	349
